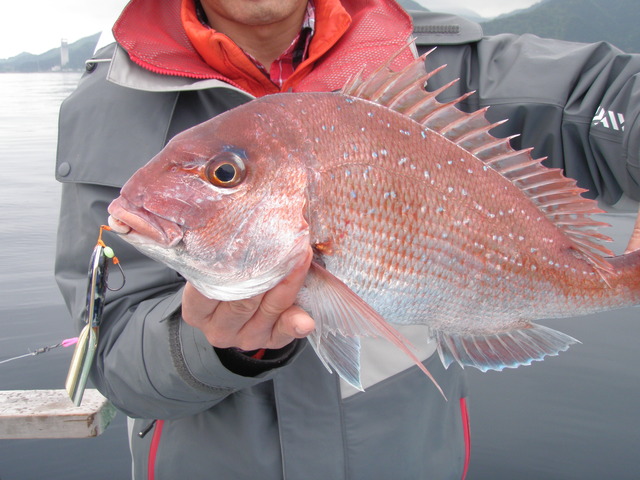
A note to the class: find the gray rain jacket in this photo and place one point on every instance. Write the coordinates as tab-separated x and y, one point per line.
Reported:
577	104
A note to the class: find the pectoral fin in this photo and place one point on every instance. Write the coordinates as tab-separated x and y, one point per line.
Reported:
342	317
339	353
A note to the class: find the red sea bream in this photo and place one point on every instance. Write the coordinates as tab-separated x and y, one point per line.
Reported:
417	215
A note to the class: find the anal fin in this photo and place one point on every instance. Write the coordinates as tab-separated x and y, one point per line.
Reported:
502	350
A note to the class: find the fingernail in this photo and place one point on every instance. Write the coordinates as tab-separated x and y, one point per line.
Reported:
302	331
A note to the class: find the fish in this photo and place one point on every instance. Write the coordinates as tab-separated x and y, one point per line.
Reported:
416	212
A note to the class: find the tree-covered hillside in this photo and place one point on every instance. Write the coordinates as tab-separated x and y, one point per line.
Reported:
615	21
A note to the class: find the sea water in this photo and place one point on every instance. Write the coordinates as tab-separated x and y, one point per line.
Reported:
32	313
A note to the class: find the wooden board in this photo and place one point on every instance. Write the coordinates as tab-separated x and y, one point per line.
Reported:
51	414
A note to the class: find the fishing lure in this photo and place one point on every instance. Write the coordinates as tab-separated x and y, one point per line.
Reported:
88	339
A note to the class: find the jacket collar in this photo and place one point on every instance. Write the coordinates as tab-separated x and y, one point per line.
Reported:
378	29
216	49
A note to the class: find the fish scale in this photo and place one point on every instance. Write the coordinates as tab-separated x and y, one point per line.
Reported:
417	215
444	205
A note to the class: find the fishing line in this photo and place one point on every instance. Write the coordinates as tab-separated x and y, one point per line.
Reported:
67	342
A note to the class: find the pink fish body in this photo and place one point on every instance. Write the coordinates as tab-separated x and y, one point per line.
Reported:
417	215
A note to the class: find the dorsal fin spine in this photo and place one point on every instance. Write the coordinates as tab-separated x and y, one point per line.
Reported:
477	136
590	234
494	142
353	83
387	93
466	124
500	164
564	200
425	106
548	186
547	176
410	96
445	114
573	224
549	193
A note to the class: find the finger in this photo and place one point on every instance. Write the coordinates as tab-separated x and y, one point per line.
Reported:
219	321
294	323
634	242
227	324
196	308
265	330
283	295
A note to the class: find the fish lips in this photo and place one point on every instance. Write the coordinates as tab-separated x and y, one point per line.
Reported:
139	225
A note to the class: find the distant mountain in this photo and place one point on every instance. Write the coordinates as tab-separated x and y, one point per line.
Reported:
615	21
49	61
410	5
446	6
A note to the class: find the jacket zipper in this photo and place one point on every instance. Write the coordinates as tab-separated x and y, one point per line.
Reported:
178	73
466	430
153	450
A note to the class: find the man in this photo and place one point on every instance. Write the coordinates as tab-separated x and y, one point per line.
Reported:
228	389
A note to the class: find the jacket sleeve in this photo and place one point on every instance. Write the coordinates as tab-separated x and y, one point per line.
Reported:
149	363
577	104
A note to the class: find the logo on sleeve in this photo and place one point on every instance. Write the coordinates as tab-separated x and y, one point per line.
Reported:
608	119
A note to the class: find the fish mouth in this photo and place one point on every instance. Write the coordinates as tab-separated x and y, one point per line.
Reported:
141	226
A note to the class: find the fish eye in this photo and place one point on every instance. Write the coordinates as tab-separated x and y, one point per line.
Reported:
225	170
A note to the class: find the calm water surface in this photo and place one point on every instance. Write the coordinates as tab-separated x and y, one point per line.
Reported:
32	313
576	416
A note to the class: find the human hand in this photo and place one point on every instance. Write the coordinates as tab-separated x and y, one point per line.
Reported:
634	242
269	320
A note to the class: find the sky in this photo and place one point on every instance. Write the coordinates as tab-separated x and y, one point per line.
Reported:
36	26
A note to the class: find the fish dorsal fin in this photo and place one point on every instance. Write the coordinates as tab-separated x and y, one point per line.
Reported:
557	196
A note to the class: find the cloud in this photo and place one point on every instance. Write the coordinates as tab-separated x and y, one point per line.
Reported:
38	25
485	8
